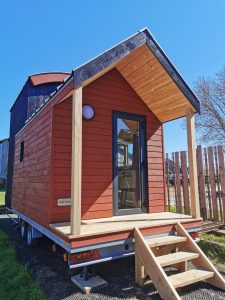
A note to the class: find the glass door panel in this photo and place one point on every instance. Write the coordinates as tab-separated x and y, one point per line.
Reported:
129	158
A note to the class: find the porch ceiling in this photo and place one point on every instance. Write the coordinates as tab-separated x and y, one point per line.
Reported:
145	74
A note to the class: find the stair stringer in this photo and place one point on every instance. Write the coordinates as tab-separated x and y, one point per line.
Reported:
203	261
153	268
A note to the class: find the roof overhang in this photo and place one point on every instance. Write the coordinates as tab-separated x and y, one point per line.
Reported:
149	72
146	68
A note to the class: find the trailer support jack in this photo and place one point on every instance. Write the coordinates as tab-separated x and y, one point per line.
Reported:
88	281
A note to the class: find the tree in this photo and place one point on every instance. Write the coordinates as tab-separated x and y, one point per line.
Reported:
210	124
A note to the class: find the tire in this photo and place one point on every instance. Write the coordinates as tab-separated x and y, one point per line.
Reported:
23	229
32	242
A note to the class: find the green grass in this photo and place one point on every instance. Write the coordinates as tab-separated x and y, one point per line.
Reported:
173	209
15	280
213	237
2	199
213	246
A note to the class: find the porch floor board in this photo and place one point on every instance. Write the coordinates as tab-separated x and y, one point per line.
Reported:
122	223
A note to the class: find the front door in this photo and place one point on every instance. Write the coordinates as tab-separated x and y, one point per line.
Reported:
129	163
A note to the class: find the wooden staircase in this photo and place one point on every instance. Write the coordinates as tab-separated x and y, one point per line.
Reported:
173	250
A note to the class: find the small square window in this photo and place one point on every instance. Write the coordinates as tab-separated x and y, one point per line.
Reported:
21	151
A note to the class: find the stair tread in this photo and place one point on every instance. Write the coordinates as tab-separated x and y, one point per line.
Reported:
177	257
189	277
165	240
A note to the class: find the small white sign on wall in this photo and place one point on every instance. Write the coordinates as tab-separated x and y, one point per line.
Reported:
64	202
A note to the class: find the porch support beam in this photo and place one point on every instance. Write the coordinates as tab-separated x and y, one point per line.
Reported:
195	209
75	218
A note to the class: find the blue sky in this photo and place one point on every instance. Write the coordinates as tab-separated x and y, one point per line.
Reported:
42	36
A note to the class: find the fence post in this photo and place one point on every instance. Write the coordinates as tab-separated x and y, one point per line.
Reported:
178	187
175	188
217	182
222	177
207	182
185	182
167	180
201	182
213	184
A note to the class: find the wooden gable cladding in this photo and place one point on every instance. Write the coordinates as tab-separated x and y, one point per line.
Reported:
153	84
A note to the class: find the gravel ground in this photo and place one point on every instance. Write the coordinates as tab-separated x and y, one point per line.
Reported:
54	277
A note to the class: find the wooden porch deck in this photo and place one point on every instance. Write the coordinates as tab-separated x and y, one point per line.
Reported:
122	223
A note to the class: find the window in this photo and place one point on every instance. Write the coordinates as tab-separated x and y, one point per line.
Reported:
21	151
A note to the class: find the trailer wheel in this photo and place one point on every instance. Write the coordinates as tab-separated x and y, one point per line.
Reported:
23	229
32	242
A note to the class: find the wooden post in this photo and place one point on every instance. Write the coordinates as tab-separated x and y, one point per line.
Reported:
185	182
222	177
192	164
213	184
177	179
201	183
207	184
167	180
139	271
75	218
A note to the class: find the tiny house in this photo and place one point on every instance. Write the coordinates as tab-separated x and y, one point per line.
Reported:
89	163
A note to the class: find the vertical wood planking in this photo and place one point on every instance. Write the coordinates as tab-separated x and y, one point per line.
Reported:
213	184
201	183
177	178
76	162
185	182
192	164
222	177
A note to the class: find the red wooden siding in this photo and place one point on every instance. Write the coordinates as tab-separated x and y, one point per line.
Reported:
31	180
109	92
48	152
31	192
61	159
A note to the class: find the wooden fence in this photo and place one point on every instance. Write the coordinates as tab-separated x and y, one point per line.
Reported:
211	182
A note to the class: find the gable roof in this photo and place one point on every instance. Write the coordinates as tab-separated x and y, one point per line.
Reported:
99	65
148	70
